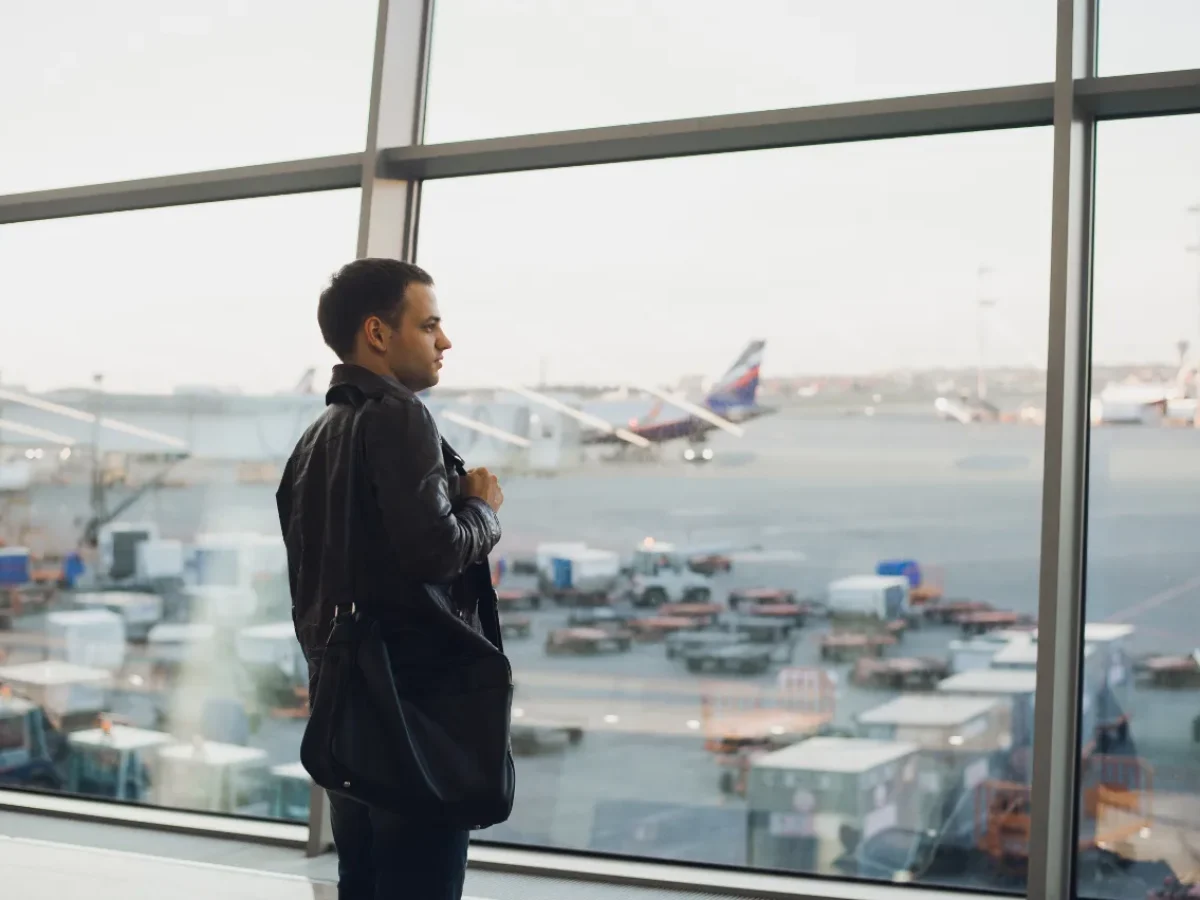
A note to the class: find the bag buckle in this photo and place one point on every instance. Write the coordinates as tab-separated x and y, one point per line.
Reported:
340	610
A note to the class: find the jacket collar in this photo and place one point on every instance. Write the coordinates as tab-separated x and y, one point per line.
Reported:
349	380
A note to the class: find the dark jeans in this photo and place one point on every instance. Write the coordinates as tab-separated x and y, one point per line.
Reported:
383	857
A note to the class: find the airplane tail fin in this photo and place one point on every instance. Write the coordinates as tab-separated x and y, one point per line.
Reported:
739	386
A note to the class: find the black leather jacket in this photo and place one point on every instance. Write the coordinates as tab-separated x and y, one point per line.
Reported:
420	550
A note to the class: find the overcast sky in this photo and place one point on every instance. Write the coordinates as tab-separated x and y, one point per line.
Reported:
851	258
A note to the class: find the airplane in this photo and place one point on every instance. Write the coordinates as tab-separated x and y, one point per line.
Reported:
733	399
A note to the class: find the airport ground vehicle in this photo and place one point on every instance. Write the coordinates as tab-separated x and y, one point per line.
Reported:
587	641
841	646
512	626
512	599
884	598
748	599
909	673
744	659
682	643
531	737
662	573
599	617
575	574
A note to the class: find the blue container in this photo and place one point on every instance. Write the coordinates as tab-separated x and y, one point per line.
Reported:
562	574
905	568
14	566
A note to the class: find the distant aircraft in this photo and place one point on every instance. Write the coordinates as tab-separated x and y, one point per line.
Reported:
733	399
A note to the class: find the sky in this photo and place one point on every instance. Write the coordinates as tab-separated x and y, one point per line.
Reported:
852	258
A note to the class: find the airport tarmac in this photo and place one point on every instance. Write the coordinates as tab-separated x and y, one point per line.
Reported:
800	500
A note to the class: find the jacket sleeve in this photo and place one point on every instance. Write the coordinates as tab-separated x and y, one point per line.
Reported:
283	504
433	538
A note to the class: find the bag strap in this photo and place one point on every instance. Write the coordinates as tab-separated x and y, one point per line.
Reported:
351	514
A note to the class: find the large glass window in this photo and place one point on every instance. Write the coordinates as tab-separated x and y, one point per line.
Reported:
729	620
158	368
1140	809
1148	36
97	92
504	67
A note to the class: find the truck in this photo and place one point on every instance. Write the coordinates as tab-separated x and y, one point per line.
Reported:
884	598
662	573
576	573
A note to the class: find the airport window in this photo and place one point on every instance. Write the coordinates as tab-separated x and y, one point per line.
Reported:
507	67
755	610
144	606
1140	722
105	92
1147	36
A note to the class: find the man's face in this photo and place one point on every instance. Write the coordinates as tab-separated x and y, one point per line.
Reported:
414	351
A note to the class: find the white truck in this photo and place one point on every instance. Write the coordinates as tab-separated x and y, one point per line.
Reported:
662	574
881	597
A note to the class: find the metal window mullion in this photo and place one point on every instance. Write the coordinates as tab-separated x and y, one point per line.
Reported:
388	218
387	224
1054	827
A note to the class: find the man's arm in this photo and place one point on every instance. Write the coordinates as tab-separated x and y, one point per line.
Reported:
283	504
433	538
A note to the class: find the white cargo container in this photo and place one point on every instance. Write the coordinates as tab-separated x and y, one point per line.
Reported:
883	597
138	611
70	695
87	637
979	651
160	559
578	569
961	739
803	800
546	554
1014	688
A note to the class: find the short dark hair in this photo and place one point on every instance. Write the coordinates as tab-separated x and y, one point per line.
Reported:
359	290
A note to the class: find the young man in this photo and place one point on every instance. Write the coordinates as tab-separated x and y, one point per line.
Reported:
424	520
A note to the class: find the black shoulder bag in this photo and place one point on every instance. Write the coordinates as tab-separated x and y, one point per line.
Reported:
428	740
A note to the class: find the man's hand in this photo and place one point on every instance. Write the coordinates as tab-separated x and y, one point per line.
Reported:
482	484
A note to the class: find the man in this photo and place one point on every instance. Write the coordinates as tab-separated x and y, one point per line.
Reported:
427	520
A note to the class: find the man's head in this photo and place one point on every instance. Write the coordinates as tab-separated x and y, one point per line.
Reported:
383	315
